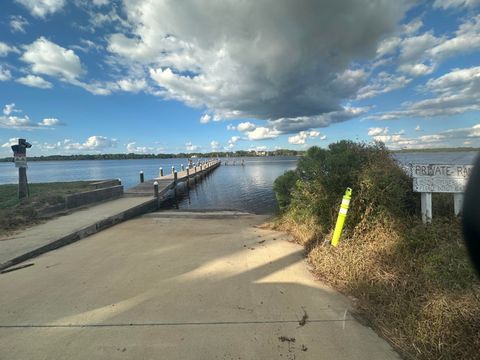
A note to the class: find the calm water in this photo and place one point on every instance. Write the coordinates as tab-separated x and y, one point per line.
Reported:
247	188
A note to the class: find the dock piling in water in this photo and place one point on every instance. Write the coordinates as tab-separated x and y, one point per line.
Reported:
155	189
160	172
142	178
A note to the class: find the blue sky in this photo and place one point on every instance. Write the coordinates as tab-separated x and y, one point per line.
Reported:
145	76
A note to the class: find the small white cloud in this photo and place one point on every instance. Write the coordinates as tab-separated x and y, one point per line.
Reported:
18	23
5	74
50	122
231	127
416	69
132	85
418	128
35	81
5	49
215	145
94	142
261	133
190	147
375	131
302	136
42	8
234	139
205	119
48	58
100	2
132	148
245	126
9	108
10	142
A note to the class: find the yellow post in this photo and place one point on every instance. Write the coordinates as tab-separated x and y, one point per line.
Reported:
342	214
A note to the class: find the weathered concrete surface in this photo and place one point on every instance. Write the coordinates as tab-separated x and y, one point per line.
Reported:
180	287
69	228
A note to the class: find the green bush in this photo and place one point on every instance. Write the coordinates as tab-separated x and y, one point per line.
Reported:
322	176
283	187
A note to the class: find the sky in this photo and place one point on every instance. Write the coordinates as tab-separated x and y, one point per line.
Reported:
153	76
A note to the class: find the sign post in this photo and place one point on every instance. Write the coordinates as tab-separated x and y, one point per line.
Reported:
20	159
436	178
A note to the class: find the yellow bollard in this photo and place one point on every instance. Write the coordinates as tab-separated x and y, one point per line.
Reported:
342	214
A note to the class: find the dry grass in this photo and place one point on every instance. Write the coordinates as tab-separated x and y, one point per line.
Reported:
413	283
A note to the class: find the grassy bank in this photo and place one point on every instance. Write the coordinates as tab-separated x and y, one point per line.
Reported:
16	214
411	282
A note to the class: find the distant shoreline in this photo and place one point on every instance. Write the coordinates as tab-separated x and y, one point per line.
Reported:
434	150
276	153
159	156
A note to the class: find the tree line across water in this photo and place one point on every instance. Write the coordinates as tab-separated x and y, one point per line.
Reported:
221	154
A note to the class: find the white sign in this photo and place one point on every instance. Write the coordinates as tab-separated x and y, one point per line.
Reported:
20	160
429	178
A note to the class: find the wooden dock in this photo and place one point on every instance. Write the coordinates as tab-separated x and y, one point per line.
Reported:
170	181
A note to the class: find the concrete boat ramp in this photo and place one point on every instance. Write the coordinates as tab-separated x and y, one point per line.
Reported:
179	285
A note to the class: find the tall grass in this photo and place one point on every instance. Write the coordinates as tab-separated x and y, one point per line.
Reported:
413	283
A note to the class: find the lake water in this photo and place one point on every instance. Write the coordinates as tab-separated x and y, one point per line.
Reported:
247	188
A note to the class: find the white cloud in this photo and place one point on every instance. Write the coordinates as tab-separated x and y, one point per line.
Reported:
9	120
5	74
132	85
446	138
18	23
383	83
10	142
100	2
50	122
5	49
93	143
205	119
215	145
231	127
35	81
245	126
388	46
377	131
42	8
445	4
232	142
133	148
302	136
284	64
416	70
466	39
16	122
48	58
262	133
9	108
452	93
418	128
190	147
420	54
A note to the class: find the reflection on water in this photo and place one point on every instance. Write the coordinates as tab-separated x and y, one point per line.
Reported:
236	187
